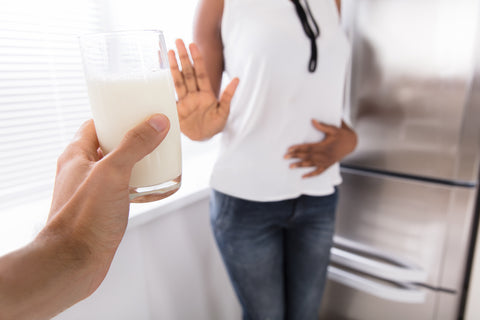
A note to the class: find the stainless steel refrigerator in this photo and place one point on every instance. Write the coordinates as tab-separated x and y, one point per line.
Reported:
408	202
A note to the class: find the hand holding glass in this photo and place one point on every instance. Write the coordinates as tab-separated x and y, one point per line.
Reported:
128	80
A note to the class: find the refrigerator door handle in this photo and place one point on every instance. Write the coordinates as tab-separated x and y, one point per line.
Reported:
372	261
403	293
376	268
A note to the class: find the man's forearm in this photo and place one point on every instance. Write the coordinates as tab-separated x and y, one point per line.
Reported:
41	279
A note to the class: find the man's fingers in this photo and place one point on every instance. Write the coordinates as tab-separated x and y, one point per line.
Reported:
85	142
86	137
227	95
139	142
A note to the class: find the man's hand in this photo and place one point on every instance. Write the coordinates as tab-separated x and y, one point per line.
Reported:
338	143
99	185
200	114
70	257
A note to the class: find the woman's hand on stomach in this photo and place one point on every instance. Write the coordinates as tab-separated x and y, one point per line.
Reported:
337	143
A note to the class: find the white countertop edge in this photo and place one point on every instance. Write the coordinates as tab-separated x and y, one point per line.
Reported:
195	186
20	225
142	216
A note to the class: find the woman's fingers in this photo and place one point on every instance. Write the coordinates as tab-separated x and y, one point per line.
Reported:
308	155
319	156
200	71
325	128
298	154
177	75
302	164
304	153
319	167
188	72
227	96
298	151
314	173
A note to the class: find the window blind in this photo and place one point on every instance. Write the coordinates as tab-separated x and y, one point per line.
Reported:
43	97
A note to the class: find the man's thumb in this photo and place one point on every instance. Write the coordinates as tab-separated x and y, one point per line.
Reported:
140	141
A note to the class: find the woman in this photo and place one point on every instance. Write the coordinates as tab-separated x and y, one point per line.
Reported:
274	183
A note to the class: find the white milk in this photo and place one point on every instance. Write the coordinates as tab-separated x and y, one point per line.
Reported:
120	104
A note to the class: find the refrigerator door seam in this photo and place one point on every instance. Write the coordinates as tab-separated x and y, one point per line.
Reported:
450	183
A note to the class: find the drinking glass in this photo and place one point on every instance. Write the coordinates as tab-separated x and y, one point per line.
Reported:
128	79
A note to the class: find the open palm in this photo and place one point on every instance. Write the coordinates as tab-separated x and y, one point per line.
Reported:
200	113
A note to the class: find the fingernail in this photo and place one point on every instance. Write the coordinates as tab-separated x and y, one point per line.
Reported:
159	122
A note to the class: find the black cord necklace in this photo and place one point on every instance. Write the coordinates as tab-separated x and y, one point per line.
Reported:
312	34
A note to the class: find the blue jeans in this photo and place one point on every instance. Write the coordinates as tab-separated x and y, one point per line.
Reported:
276	253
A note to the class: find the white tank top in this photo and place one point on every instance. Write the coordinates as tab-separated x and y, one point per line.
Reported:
266	47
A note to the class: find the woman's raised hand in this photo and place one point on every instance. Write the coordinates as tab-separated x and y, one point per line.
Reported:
200	112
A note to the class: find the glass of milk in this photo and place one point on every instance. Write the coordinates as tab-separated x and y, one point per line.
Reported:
128	79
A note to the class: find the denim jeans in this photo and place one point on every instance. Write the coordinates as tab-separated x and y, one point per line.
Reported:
276	253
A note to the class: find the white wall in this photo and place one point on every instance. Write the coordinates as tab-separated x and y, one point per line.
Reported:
169	269
174	18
